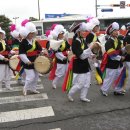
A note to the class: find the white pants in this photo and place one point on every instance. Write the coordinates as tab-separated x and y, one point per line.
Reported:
5	75
21	79
60	72
111	76
127	64
31	79
80	82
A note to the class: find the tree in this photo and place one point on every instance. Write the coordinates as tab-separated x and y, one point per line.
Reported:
5	24
33	19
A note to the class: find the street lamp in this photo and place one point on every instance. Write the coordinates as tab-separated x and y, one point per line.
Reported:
38	10
15	18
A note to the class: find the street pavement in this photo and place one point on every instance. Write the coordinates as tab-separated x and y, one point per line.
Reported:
51	110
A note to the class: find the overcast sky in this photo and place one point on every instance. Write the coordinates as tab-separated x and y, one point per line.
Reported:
29	8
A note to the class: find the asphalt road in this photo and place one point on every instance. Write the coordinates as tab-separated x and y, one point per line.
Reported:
102	113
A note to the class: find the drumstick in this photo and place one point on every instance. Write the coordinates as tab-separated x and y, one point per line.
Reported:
30	63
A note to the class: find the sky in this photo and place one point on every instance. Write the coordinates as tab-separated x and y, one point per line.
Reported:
29	8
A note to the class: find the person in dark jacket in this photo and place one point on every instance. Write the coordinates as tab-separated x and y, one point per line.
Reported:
60	54
29	49
114	64
126	41
5	51
81	68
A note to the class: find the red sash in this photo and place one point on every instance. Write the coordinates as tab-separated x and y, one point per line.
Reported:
33	53
4	53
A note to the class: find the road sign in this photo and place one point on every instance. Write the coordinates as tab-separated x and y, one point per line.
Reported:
57	15
107	10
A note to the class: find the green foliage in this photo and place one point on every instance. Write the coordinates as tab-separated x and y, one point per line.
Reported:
5	24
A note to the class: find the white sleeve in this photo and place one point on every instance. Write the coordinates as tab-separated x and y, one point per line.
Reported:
86	54
1	57
24	58
123	50
60	56
118	58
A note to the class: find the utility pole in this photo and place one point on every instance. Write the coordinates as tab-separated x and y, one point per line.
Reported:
39	10
96	7
15	18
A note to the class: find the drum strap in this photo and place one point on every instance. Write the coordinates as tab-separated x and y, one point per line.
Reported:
33	46
82	44
3	45
115	47
116	43
63	45
95	38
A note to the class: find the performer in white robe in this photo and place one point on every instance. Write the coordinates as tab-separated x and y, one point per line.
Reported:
29	50
81	68
5	74
114	64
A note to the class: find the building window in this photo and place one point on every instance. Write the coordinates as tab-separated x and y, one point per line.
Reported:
39	30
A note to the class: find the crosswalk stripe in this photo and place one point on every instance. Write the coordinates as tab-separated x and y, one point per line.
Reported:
15	81
56	129
15	89
14	99
26	114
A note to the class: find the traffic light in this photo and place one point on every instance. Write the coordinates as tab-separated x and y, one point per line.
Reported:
128	5
122	4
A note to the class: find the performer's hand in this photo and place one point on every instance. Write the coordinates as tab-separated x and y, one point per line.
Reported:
65	58
29	63
44	52
93	56
16	52
6	59
122	58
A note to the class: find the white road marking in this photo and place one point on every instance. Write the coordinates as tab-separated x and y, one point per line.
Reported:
13	78
26	114
15	81
13	99
56	129
20	88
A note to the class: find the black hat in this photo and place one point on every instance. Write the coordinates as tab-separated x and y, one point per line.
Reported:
79	27
74	27
128	25
112	27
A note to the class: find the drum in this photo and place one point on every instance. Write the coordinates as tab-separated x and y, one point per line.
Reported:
70	55
43	64
127	48
97	47
14	62
97	50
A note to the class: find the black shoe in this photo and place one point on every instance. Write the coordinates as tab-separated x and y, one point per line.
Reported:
119	93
